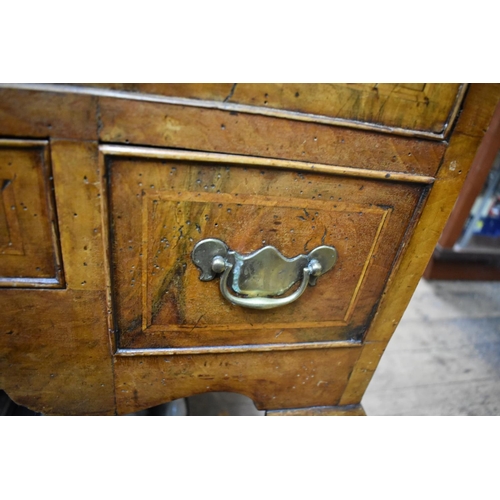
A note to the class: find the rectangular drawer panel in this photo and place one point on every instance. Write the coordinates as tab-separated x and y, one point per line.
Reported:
29	247
160	209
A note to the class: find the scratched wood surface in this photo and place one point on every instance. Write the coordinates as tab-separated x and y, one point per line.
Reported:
159	210
157	124
33	114
54	351
29	248
287	379
57	351
413	106
38	114
474	121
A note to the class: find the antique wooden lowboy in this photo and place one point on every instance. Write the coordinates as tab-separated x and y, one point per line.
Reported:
159	241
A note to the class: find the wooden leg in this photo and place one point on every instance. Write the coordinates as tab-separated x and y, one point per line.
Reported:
325	411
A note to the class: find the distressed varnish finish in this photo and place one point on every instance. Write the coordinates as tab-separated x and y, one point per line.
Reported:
55	348
36	114
186	127
54	351
57	353
469	131
28	113
402	108
282	379
29	247
161	209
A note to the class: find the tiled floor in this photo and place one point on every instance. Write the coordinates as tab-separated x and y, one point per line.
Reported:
444	358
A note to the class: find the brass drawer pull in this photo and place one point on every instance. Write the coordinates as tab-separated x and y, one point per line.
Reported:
261	275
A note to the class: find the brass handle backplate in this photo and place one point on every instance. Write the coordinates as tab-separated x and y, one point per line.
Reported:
258	278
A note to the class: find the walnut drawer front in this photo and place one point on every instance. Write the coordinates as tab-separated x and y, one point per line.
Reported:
161	203
29	246
426	109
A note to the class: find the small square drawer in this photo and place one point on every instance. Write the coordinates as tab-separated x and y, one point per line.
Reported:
163	202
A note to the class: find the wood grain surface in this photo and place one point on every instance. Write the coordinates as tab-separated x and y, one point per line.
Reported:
159	210
200	129
282	379
412	106
37	114
57	347
54	351
29	243
470	129
64	115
